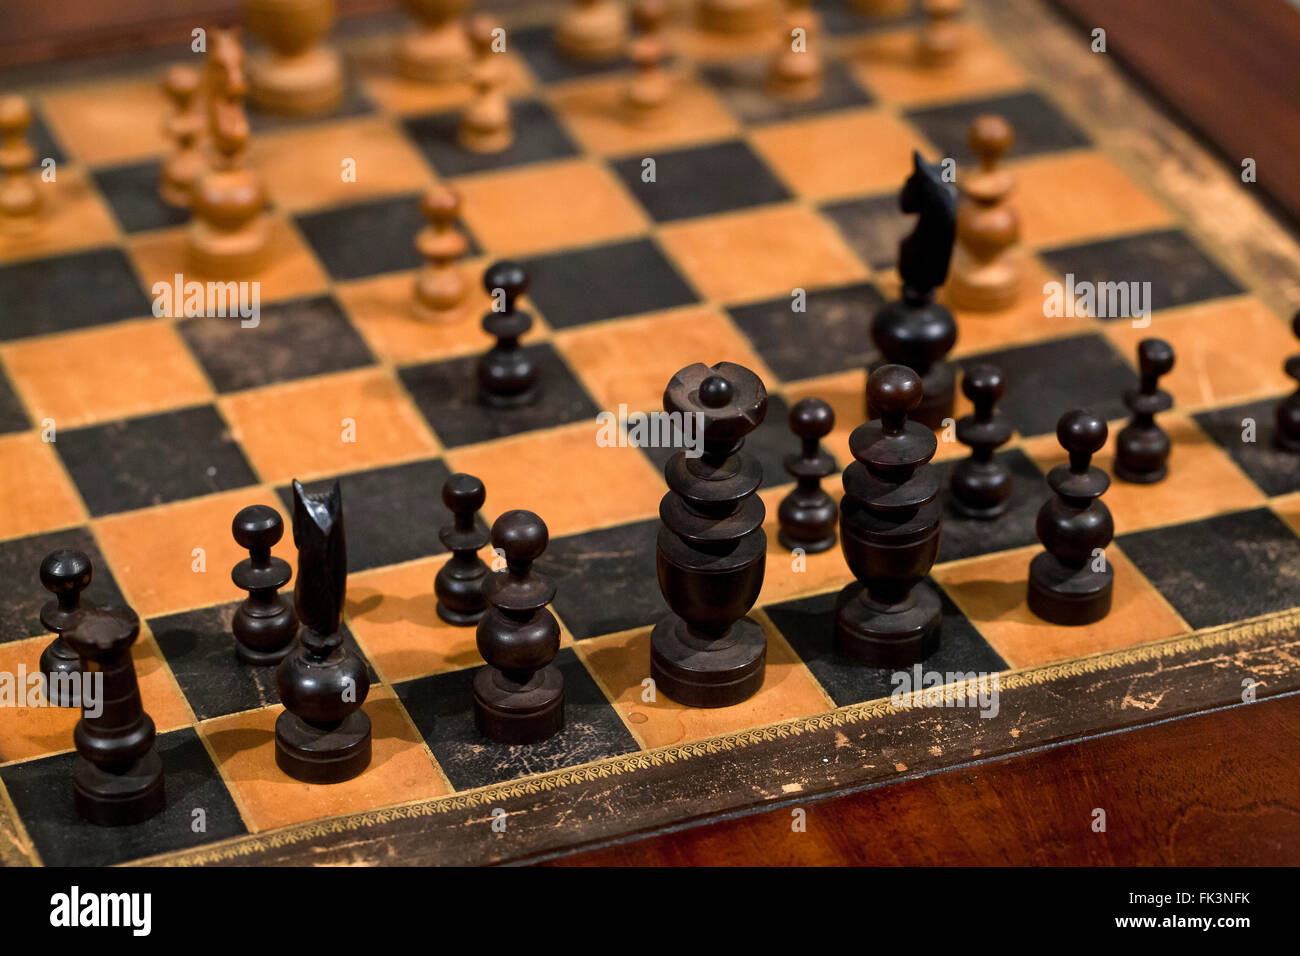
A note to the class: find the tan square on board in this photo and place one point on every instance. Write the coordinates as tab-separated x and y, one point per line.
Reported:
887	63
109	122
36	492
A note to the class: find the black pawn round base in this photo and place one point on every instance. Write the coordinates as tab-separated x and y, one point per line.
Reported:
459	618
1287	443
1069	596
251	655
808	547
512	713
708	673
979	514
880	635
1141	477
460	596
322	755
517	400
59	663
119	799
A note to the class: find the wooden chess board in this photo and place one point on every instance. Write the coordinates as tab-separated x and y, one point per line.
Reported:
164	428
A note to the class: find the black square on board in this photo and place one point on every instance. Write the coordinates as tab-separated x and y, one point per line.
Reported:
606	580
873	227
603	282
809	625
445	392
20	564
1040	127
41	791
442	707
1048	379
537	44
390	514
743	88
200	650
538	136
1178	271
966	537
132	193
702	180
1226	568
368	238
13	417
138	462
68	292
832	334
290	340
1267	465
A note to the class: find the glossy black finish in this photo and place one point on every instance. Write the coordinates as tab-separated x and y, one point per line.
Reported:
981	485
1288	410
459	582
916	330
265	623
1072	581
890	521
323	736
519	695
117	777
507	376
65	574
808	514
1142	447
711	551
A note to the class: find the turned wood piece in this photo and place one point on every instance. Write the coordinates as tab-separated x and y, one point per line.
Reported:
300	74
184	126
647	93
20	203
808	514
486	126
796	69
981	485
988	265
459	582
438	49
65	574
592	31
265	623
1142	447
440	283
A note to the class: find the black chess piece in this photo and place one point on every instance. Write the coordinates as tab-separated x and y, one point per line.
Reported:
459	583
808	514
981	485
507	376
519	695
264	624
65	574
1288	410
916	330
712	549
1072	582
323	736
1142	447
890	521
117	776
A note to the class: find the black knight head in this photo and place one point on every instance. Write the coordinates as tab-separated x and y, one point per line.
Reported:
322	558
924	255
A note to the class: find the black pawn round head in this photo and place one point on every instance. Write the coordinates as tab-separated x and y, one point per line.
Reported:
509	277
1155	358
1081	433
984	385
521	535
257	527
463	494
893	391
811	419
715	391
66	573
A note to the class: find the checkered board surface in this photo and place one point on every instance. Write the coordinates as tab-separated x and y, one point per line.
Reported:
166	427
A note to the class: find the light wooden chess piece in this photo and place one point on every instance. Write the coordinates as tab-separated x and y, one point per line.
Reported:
646	95
940	39
440	284
300	74
987	264
592	31
736	16
20	203
486	125
797	68
438	50
184	127
229	230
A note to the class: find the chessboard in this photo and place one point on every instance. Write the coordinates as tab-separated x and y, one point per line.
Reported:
136	438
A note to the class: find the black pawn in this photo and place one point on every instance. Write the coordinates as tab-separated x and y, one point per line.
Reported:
65	574
323	736
890	521
507	376
519	695
981	485
459	583
264	624
1288	410
1072	581
808	514
1142	447
117	776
